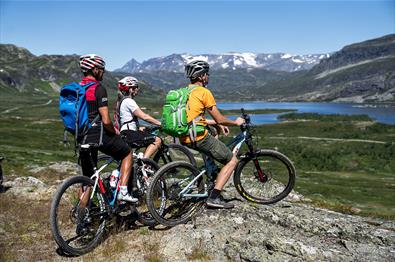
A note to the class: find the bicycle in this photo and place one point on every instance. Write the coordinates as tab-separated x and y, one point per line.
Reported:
178	190
82	206
166	152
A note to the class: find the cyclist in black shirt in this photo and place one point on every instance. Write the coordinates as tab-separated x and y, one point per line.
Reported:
102	131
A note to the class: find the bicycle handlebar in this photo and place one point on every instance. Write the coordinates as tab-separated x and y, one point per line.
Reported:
247	119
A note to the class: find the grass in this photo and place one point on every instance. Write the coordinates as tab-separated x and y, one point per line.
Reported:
344	175
30	224
199	254
368	194
326	169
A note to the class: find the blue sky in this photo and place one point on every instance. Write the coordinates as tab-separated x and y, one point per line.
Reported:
121	30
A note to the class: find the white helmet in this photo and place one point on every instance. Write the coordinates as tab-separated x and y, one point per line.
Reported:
90	61
127	82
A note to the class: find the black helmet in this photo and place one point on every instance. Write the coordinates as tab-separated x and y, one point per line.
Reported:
196	68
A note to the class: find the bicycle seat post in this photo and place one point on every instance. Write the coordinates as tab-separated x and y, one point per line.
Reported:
87	148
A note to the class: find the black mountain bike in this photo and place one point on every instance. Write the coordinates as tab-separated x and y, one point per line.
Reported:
178	190
167	152
82	207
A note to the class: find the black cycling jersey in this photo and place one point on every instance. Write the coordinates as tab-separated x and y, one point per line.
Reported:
109	143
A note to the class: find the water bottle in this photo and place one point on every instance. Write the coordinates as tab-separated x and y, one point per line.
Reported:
114	178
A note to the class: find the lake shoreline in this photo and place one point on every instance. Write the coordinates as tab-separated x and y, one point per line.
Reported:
268	112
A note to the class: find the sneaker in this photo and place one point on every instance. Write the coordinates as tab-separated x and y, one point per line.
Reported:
218	202
127	197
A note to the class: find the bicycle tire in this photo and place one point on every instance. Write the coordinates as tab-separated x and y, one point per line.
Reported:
278	169
143	214
76	220
175	152
163	199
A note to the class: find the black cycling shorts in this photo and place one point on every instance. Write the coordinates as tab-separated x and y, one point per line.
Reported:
138	138
111	144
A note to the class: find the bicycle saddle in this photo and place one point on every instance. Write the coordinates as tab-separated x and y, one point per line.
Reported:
146	142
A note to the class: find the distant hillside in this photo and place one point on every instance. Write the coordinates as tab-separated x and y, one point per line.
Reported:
361	72
25	73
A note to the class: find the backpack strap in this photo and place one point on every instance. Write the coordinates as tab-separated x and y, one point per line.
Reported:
118	113
119	116
77	117
192	125
85	128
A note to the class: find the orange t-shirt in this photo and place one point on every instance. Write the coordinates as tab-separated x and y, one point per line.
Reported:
199	99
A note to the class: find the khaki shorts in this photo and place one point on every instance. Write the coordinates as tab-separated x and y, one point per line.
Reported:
214	148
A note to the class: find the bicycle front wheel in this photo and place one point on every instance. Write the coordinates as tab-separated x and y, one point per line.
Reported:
174	152
266	178
174	194
77	220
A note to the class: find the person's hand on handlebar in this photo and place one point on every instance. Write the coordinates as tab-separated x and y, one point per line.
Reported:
239	121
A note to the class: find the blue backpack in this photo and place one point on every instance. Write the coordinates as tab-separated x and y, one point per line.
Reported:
73	108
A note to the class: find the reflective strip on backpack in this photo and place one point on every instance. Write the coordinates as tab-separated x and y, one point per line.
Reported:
174	120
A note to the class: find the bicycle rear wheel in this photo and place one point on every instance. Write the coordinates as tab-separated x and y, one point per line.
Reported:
148	167
78	221
265	179
174	152
165	199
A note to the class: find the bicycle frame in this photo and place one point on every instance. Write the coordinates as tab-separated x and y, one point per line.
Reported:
243	137
182	193
98	182
236	143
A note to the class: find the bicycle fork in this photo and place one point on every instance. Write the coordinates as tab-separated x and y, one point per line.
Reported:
262	177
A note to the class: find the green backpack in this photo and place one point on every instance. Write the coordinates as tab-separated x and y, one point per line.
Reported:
174	116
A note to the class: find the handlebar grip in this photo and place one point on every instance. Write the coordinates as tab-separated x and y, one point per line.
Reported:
245	116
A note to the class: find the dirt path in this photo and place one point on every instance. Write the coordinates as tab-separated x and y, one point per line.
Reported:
330	139
19	107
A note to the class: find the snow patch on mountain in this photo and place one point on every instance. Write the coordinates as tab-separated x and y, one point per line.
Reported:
230	60
285	56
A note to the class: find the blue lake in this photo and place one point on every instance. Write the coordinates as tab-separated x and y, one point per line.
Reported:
383	113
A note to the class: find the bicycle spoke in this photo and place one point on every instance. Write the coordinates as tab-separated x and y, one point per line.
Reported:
168	202
266	179
78	221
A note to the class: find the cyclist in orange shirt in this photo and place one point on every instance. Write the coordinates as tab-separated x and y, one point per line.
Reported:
201	100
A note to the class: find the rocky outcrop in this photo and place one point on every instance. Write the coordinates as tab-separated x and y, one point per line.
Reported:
291	230
282	232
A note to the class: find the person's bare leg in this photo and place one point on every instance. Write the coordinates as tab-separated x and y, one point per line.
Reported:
126	169
152	148
225	173
84	194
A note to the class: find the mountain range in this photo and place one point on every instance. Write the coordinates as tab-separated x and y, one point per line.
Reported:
27	74
360	72
233	60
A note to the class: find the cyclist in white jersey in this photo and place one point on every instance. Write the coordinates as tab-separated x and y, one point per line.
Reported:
130	113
